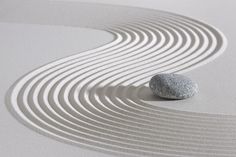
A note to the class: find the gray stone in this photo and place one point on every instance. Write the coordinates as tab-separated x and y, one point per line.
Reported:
173	86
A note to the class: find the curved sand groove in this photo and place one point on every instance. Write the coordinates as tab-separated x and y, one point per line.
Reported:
95	98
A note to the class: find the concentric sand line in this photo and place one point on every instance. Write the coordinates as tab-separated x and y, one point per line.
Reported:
93	98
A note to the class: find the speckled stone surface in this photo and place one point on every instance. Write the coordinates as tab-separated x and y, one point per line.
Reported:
173	86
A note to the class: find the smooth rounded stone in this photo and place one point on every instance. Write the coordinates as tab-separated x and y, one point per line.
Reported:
173	86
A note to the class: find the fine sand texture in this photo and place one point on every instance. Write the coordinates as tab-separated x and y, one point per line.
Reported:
99	98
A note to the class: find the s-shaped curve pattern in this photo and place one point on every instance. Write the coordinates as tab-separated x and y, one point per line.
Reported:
91	98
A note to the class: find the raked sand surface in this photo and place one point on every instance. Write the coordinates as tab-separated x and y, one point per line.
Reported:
98	98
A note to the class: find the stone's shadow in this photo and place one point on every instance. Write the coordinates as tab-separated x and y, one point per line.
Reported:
146	94
133	92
